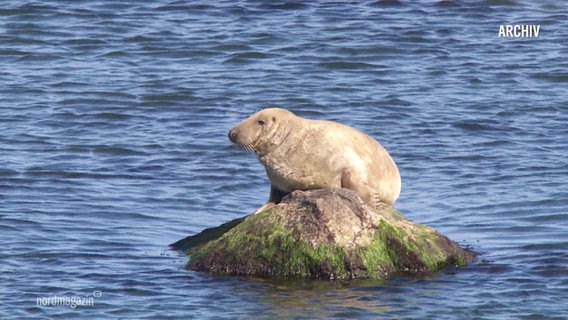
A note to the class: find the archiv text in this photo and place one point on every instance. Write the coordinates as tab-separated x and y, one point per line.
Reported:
519	31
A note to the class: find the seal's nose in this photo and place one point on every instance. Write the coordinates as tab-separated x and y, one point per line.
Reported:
233	135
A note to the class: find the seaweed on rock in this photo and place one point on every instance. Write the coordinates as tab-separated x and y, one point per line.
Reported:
322	234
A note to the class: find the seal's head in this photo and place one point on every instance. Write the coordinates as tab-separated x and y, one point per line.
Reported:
264	131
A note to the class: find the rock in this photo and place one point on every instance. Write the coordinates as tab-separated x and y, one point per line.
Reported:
322	234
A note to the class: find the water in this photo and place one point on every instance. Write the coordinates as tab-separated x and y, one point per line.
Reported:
113	144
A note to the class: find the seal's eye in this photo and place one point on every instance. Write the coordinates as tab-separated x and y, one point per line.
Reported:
261	122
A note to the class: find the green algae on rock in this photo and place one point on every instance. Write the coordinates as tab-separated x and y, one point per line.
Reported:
322	234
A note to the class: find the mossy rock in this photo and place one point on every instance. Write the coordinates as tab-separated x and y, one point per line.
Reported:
322	234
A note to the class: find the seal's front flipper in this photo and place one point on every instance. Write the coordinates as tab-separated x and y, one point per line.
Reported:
264	207
274	199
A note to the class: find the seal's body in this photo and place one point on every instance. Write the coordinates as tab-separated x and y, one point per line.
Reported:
303	154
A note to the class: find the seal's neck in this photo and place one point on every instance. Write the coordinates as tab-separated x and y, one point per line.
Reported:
281	134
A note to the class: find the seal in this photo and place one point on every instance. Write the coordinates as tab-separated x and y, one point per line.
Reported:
304	154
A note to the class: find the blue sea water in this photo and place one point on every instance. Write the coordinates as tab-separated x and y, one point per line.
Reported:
113	143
